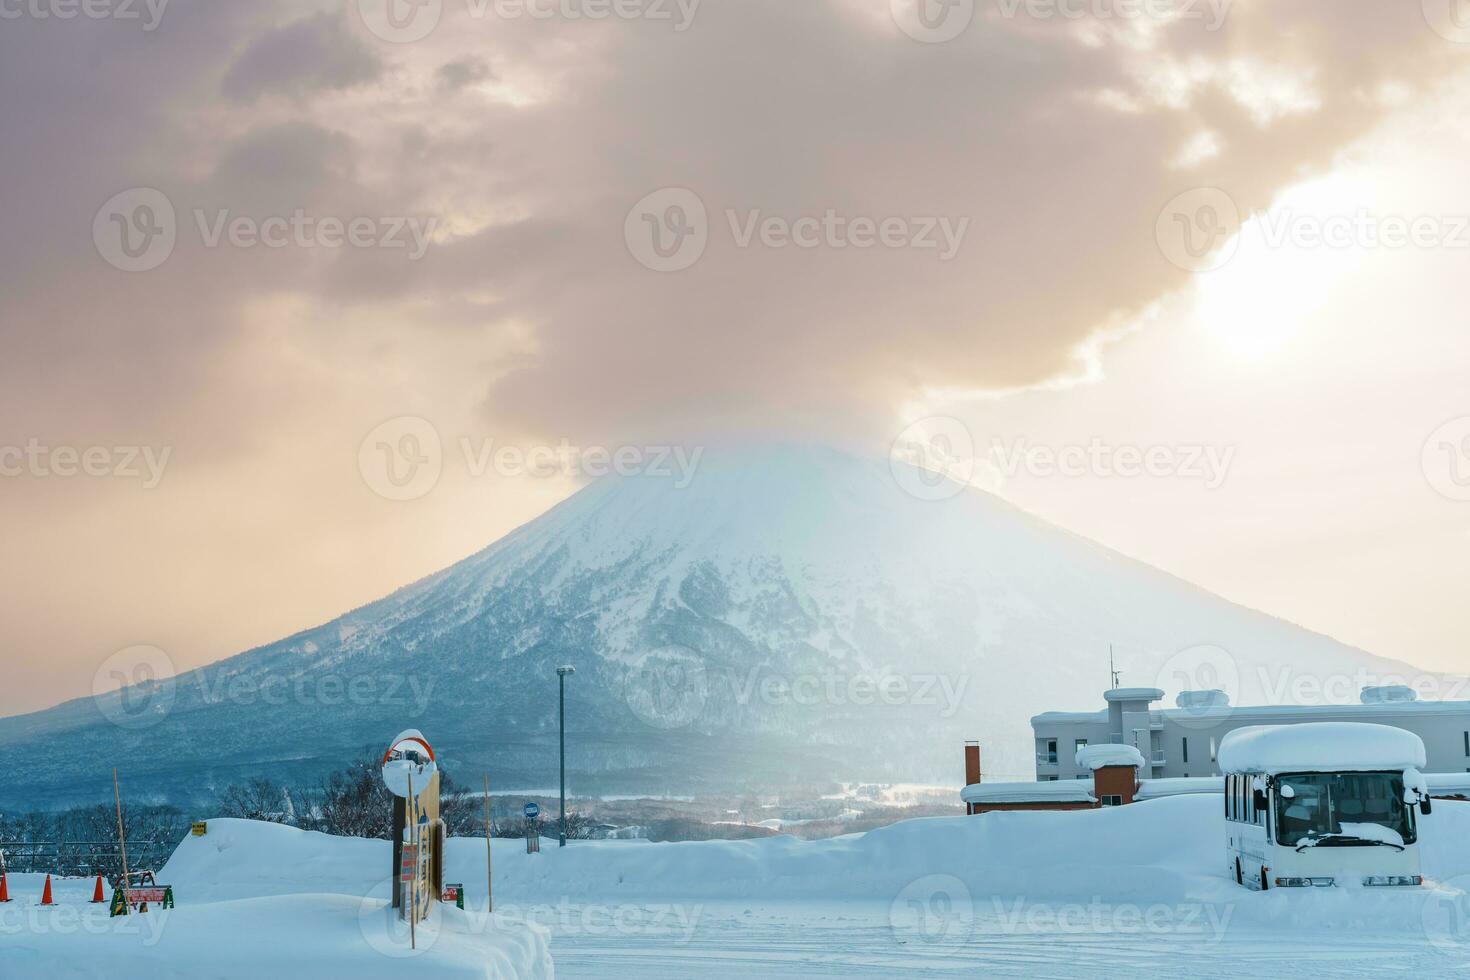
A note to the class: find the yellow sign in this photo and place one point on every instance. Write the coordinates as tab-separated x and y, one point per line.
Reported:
199	828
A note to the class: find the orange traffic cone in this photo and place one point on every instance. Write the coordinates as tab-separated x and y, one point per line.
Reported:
4	888
97	898
46	893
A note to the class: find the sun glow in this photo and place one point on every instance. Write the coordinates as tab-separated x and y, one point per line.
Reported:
1288	260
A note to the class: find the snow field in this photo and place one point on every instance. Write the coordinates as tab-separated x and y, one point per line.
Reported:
1138	889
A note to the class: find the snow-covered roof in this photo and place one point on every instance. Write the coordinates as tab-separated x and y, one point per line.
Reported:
1343	746
1155	789
1095	757
1134	694
1056	791
1272	713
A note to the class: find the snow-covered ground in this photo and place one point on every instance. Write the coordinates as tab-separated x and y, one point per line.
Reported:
1134	890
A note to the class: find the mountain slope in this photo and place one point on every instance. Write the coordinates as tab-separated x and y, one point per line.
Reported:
792	615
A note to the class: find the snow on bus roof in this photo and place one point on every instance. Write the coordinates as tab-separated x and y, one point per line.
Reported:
1343	746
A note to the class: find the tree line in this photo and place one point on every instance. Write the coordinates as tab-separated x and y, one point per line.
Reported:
351	802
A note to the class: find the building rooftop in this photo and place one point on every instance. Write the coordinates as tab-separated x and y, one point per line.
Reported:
1134	694
1386	709
1058	791
1156	789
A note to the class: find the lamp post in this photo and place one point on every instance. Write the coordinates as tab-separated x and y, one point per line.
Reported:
561	683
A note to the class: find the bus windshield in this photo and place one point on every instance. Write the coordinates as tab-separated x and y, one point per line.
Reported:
1343	809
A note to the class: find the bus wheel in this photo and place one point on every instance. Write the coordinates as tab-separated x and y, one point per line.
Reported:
1239	873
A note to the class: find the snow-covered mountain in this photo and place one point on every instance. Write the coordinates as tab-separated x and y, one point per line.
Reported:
794	614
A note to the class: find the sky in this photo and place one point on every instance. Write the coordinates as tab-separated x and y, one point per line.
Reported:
254	251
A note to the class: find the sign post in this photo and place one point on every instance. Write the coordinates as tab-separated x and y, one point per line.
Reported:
533	832
489	898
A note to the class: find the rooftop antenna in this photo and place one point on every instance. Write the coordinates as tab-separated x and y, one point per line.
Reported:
1113	667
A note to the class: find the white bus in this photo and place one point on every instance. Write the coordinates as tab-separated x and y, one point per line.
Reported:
1318	805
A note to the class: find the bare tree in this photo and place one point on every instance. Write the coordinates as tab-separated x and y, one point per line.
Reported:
257	799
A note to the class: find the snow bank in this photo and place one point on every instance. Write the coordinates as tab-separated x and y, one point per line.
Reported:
1321	747
302	935
1095	757
311	906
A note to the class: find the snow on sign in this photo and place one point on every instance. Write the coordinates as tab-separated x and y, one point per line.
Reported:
412	775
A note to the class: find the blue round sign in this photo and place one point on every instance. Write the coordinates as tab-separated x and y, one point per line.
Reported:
532	811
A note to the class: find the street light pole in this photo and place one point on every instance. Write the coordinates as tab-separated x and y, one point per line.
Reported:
561	682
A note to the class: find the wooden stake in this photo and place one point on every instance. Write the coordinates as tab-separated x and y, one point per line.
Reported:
122	839
489	902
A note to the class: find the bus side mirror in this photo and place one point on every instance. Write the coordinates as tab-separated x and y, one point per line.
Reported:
1262	803
1426	806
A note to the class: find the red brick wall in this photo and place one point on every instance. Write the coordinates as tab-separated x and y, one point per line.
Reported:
1115	781
988	807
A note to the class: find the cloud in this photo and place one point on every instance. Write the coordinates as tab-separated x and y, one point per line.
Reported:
302	57
1056	140
463	71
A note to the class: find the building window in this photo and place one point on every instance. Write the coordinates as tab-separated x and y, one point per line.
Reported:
1186	749
1082	744
1112	801
1467	743
1049	755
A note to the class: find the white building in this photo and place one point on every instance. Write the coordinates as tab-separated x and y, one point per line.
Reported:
1183	741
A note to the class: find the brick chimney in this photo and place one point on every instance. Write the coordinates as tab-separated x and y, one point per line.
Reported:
972	763
1119	781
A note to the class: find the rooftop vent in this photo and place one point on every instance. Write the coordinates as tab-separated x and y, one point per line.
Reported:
1202	699
1391	694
